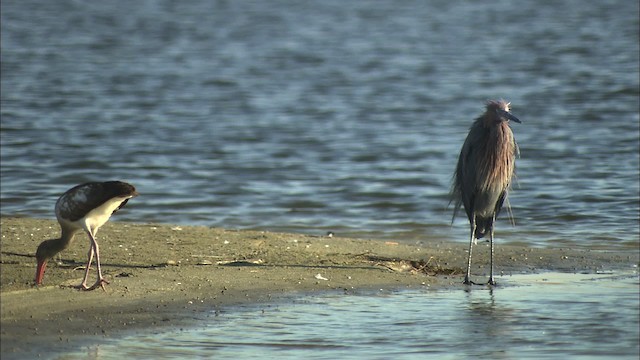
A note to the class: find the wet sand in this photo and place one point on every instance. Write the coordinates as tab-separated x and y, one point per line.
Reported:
169	276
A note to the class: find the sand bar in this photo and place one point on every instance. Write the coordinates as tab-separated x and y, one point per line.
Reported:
169	275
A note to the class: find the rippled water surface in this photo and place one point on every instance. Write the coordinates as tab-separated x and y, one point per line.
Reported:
547	316
327	115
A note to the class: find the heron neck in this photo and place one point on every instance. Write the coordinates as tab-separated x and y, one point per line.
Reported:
498	158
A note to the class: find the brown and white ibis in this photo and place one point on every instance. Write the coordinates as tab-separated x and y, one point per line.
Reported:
84	207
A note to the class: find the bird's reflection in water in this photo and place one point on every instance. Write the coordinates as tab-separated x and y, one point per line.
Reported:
485	322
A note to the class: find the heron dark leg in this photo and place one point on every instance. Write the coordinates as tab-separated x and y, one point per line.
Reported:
473	231
491	280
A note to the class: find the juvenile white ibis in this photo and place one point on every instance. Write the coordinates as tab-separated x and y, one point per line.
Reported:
84	207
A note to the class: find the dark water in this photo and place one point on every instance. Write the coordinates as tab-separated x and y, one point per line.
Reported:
326	115
579	317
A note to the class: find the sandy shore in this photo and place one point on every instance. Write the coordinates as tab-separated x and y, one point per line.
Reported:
163	275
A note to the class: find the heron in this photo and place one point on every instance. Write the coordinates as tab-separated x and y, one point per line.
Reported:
483	175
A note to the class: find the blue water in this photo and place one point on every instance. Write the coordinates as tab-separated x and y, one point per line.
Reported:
542	316
325	115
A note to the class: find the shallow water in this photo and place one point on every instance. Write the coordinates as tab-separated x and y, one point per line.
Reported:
317	116
541	316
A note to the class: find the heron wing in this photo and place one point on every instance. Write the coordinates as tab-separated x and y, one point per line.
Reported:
464	188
